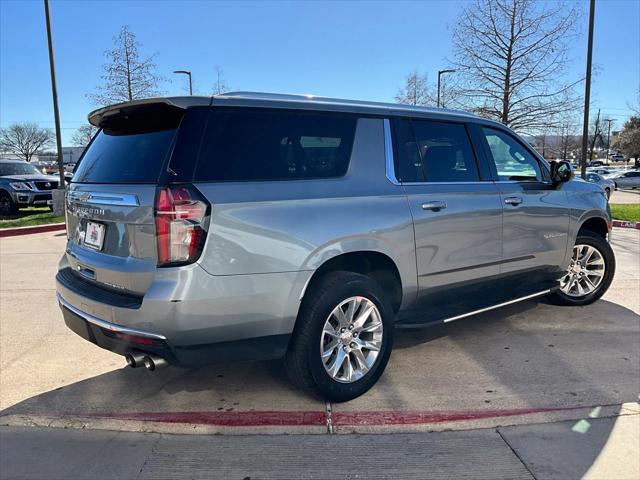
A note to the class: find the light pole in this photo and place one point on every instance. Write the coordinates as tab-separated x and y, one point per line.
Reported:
440	72
57	195
587	92
186	72
609	121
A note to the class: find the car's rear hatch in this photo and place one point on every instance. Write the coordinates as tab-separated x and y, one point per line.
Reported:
111	200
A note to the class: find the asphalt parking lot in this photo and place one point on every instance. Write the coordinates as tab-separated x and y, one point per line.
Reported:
522	365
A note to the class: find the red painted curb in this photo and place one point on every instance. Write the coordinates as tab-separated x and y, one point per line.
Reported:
226	419
317	418
625	224
13	232
416	418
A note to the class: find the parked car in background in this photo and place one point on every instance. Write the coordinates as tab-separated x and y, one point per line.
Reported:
23	185
250	226
626	179
595	163
607	184
618	157
601	170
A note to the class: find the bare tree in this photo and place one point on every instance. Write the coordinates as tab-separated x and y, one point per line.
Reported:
127	75
511	57
220	85
83	135
595	135
635	107
568	141
25	139
416	91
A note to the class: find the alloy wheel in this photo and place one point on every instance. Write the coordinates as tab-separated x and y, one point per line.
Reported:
351	339
585	272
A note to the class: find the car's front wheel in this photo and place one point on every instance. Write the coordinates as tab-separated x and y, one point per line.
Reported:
7	207
589	273
343	337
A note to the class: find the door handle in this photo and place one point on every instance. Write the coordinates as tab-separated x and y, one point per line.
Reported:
513	200
434	206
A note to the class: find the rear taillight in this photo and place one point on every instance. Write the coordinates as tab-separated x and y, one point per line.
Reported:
181	217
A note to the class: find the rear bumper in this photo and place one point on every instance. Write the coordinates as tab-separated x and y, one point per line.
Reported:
192	317
123	340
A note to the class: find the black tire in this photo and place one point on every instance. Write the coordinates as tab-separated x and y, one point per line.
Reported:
599	243
303	362
7	207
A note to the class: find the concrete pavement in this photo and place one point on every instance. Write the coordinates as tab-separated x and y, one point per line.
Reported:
625	196
525	365
530	362
564	450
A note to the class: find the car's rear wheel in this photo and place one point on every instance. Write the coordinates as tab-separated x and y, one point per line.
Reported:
343	337
7	207
589	273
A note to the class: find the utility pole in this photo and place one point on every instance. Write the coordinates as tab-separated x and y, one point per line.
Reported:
440	72
58	194
609	121
587	92
186	72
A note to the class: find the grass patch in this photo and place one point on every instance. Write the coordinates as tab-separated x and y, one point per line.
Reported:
29	217
628	212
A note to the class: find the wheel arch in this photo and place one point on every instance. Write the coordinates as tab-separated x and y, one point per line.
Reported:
595	224
375	264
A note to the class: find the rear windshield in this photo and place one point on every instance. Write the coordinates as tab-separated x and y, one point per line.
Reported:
254	145
124	157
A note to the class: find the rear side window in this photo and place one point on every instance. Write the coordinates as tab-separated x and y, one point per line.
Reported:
255	145
446	152
435	152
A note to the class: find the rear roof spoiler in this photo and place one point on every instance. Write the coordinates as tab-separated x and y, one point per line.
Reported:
102	116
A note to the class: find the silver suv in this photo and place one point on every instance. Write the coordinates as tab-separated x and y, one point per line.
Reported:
250	226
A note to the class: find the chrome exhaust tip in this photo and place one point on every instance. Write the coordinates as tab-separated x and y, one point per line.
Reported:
153	362
134	359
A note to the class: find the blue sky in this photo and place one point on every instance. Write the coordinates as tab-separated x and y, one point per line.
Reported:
343	49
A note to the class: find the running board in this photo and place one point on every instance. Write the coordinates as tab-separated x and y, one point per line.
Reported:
416	325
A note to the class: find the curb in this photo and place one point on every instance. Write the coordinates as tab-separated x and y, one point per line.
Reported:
13	232
625	224
315	422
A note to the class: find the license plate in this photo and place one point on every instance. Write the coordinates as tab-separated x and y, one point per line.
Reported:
94	236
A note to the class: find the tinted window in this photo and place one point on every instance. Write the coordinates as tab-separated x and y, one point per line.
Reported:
512	160
446	152
124	157
252	145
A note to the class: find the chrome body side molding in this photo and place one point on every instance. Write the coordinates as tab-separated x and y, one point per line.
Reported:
493	307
